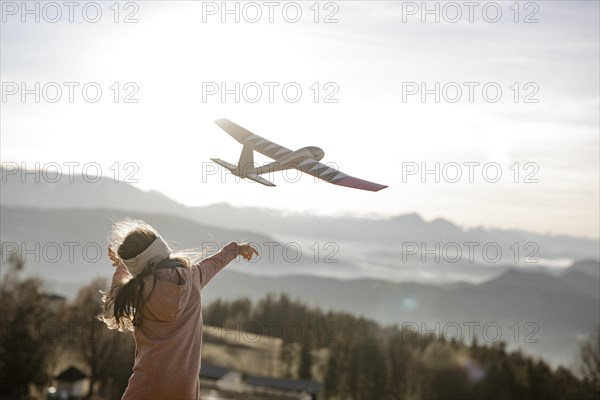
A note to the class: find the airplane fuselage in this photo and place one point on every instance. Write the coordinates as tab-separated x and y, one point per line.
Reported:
293	160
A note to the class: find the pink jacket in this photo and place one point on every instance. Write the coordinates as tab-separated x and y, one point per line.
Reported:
169	340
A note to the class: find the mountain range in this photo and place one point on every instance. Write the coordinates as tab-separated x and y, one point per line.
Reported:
539	308
377	248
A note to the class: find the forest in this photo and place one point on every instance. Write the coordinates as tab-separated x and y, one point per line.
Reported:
363	360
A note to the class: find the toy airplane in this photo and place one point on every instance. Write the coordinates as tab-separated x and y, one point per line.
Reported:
305	159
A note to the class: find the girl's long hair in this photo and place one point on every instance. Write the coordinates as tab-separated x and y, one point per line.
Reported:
125	300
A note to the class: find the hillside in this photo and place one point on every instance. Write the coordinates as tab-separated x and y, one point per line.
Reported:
364	274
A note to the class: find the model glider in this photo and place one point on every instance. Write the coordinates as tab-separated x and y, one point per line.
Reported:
305	159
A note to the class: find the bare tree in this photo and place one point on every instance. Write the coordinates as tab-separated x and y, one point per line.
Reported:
26	353
100	348
589	359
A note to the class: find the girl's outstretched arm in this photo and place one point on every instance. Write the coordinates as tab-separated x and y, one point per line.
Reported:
213	264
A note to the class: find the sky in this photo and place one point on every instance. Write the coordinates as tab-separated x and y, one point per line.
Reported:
367	74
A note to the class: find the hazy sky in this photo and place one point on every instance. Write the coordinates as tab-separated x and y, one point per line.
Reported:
371	61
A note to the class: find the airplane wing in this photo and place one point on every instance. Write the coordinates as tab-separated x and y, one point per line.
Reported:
244	136
332	175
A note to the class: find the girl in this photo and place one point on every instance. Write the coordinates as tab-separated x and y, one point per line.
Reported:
157	295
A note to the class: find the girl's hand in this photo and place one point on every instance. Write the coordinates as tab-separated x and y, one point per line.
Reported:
114	258
246	251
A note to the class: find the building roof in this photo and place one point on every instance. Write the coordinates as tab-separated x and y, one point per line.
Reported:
286	384
212	371
71	374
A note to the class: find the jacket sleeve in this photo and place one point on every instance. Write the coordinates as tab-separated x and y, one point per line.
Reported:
209	267
120	276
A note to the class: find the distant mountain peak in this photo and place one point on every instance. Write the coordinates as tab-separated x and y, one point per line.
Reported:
589	267
442	222
410	217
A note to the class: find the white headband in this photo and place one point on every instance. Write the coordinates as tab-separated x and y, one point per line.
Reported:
157	251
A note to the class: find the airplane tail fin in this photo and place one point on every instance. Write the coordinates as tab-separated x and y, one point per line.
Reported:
245	167
246	163
234	170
